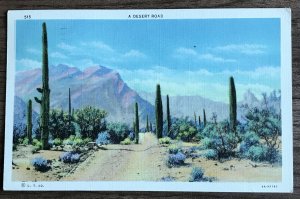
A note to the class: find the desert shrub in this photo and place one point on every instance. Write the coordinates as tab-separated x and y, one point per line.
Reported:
127	141
90	121
117	131
183	129
87	140
176	159
211	155
221	140
40	164
249	139
103	138
60	125
164	140
266	124
37	144
25	141
69	140
186	132
263	153
69	157
78	142
57	142
174	149
19	131
197	175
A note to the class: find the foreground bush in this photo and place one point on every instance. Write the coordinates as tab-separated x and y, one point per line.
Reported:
117	131
249	139
69	157
40	164
197	175
165	140
211	155
57	142
183	129
37	145
127	141
176	159
78	142
103	138
220	139
263	153
173	149
25	141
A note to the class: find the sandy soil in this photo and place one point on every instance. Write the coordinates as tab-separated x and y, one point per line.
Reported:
143	162
146	162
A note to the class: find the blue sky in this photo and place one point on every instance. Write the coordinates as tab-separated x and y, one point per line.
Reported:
187	57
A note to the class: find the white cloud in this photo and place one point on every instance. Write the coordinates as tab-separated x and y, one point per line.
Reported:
66	47
99	45
26	64
33	51
58	55
134	54
248	49
191	53
211	57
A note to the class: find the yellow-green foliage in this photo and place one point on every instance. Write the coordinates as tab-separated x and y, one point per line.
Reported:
127	141
37	145
173	149
165	140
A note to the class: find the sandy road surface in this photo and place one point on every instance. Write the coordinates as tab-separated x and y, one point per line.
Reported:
124	162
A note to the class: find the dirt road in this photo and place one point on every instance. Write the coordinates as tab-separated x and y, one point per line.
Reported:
142	162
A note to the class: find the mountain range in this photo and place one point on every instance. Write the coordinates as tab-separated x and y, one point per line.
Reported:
104	88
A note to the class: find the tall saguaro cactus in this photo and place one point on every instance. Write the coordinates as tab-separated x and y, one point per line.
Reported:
29	121
137	123
70	106
147	125
195	118
168	115
232	104
45	92
158	112
199	119
204	118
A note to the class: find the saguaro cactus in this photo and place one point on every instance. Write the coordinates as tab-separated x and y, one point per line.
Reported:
147	125
45	92
195	119
29	121
158	112
151	130
199	119
137	123
168	115
232	104
204	118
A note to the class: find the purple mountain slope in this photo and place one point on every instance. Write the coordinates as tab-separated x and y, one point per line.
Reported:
95	86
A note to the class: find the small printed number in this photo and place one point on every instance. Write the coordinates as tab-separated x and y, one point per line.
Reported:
27	16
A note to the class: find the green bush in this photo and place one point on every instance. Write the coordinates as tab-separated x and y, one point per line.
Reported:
25	141
211	155
165	140
87	140
57	142
173	149
197	175
69	141
78	142
127	141
90	121
117	131
37	144
263	153
221	140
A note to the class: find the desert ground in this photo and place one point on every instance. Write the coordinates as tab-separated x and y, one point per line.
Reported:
145	161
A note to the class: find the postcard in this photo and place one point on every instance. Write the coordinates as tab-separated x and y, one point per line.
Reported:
149	100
